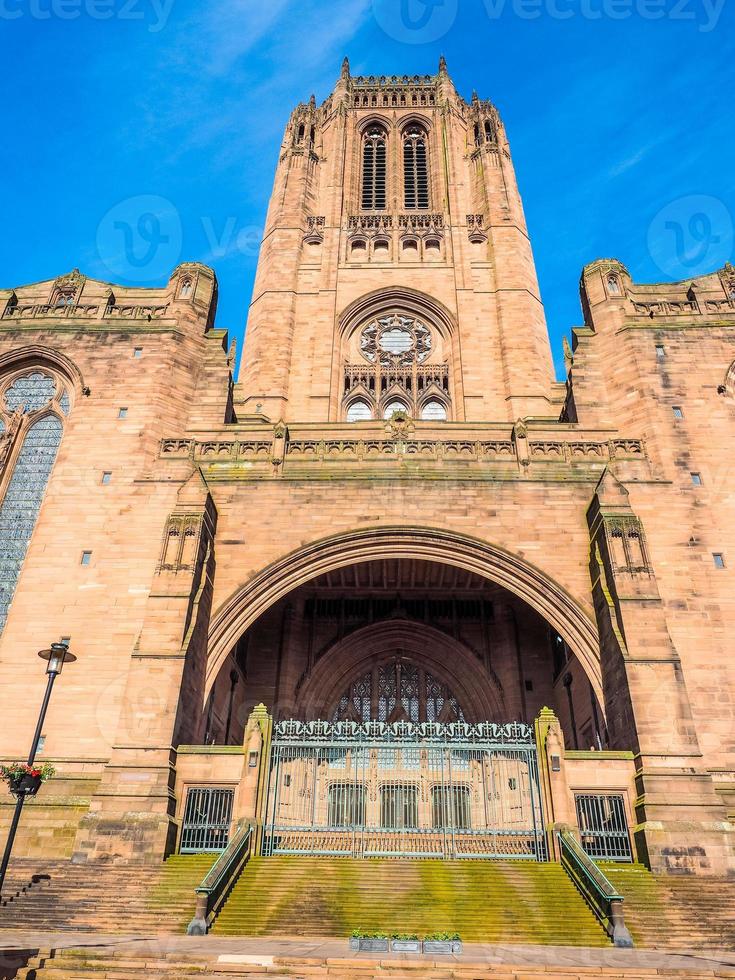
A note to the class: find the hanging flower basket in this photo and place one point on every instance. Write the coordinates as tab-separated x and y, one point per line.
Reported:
25	780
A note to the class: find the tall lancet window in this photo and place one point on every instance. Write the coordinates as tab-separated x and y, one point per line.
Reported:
31	410
415	169
374	170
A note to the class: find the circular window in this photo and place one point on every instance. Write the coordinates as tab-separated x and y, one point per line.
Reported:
398	340
395	340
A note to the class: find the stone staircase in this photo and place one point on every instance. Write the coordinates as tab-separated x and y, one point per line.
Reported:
509	902
61	896
675	912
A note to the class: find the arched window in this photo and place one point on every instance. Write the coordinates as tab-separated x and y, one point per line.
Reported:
185	289
359	411
397	691
613	285
28	421
63	297
415	169
374	170
392	408
434	411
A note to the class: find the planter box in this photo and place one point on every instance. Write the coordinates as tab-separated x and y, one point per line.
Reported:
369	945
405	945
27	785
442	946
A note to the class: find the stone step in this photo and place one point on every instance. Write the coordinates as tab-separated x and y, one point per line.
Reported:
81	965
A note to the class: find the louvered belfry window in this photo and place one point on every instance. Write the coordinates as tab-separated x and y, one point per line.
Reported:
374	170
415	169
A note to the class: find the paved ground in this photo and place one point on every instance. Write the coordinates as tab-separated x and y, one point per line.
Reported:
262	950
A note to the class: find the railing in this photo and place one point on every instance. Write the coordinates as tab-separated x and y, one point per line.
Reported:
596	889
220	879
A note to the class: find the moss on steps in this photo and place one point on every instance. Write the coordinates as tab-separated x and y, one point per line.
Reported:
520	902
671	912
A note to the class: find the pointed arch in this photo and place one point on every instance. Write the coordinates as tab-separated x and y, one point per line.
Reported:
445	657
575	624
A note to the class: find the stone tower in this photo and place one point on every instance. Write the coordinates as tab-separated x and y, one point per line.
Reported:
396	184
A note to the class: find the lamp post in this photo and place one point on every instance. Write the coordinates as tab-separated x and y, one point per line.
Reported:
56	656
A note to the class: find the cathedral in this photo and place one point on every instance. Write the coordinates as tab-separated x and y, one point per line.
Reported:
393	590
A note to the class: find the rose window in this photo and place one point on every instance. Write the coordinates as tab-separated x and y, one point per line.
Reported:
395	339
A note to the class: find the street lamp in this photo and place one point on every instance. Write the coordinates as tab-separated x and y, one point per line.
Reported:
56	656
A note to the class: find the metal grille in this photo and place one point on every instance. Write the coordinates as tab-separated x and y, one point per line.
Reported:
603	827
404	790
207	818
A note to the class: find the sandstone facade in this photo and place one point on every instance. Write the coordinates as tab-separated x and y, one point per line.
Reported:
395	479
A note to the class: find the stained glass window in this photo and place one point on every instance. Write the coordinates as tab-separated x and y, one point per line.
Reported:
32	392
22	502
404	692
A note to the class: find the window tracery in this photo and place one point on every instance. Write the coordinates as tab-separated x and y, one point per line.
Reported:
415	169
29	404
397	691
395	339
434	411
359	411
374	169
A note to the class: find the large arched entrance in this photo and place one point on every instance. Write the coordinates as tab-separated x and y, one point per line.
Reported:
331	560
403	685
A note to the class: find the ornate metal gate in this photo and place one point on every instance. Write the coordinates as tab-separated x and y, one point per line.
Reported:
404	790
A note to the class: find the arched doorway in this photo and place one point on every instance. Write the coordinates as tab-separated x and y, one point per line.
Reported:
572	623
401	669
403	691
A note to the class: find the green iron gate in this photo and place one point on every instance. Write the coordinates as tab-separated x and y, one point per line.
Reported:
376	789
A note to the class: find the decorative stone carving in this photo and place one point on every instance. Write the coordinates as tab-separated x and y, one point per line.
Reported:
475	229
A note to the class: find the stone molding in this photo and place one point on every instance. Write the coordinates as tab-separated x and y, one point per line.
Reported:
567	615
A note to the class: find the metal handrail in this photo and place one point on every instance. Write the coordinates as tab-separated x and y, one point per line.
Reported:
220	878
599	892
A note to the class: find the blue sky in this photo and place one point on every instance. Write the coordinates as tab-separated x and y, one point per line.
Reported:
619	114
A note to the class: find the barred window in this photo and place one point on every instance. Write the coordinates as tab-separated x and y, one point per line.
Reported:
374	170
415	169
